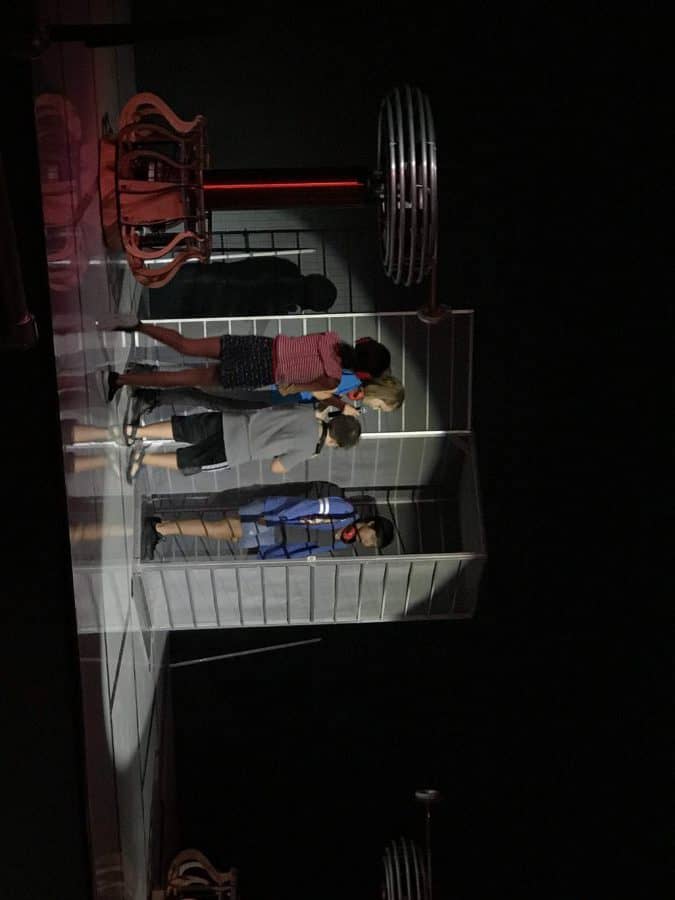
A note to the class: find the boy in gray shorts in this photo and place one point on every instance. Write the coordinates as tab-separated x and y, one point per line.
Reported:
287	436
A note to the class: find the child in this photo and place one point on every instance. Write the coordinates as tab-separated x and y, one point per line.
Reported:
385	393
280	527
287	436
312	362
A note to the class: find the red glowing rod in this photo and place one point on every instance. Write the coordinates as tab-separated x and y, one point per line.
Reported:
282	185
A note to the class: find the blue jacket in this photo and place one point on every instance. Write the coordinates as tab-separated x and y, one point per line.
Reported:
331	513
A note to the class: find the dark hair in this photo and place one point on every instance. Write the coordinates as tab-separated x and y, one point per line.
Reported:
320	293
368	355
384	531
345	430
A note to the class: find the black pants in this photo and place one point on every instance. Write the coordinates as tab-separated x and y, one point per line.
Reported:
204	431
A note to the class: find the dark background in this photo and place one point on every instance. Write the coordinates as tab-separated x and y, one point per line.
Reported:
541	720
299	766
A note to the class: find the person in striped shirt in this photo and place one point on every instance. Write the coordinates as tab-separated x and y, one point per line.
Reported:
308	363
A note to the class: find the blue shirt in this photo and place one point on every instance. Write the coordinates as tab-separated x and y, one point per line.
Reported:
348	382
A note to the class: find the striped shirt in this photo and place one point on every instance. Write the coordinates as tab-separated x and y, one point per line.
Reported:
312	359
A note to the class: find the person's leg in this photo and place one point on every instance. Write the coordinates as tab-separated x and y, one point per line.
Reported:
157	431
202	431
160	461
89	463
95	531
201	375
138	458
207	347
216	530
82	434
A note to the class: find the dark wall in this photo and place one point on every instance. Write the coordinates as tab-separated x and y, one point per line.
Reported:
300	765
283	90
533	179
280	89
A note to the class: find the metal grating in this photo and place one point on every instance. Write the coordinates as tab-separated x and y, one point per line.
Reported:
418	463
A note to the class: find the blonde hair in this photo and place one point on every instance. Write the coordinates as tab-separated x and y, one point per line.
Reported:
386	388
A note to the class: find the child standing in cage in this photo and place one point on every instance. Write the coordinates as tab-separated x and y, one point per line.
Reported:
383	394
312	362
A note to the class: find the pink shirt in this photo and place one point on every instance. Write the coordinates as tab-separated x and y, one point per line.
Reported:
307	359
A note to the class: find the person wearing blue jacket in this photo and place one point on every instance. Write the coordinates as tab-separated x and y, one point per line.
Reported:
280	528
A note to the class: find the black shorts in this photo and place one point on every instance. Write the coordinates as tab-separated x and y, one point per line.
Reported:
204	431
246	361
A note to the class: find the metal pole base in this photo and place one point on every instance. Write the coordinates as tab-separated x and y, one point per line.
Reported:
432	315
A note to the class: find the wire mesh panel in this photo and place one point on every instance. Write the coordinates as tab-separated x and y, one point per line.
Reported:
322	591
418	465
434	363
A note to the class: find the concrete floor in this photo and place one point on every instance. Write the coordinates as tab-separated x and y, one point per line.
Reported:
78	91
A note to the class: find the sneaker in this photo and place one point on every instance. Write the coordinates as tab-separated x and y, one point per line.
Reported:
150	537
113	385
141	402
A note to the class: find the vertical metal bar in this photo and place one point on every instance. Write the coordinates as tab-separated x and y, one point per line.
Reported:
432	589
377	460
297	247
351	477
441	526
457	578
397	869
311	593
358	598
418	881
288	595
336	587
388	874
190	598
407	588
398	461
215	596
263	594
323	252
239	603
428	848
384	590
407	850
420	467
166	599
